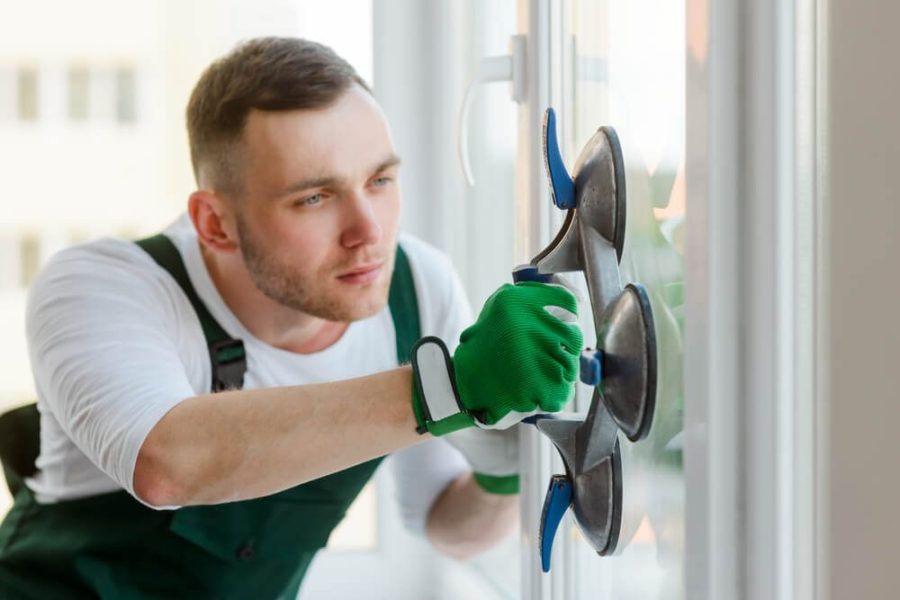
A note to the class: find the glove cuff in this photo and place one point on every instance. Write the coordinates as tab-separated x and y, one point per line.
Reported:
435	399
498	484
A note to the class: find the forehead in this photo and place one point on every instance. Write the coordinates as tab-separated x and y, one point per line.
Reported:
343	140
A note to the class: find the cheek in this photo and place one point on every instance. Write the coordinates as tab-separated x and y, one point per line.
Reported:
389	214
298	242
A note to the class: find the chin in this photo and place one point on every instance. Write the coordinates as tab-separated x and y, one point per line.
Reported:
360	308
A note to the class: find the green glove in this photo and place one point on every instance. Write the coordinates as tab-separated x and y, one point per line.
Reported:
520	357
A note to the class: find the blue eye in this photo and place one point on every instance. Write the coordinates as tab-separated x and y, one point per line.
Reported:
381	181
310	200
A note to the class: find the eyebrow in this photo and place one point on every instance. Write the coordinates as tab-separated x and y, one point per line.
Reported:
330	180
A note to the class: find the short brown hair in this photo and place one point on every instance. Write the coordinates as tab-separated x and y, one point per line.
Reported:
268	73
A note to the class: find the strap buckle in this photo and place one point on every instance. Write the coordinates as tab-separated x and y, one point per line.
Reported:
229	363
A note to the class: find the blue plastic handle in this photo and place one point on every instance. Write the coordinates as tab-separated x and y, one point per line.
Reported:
561	185
557	502
530	273
591	367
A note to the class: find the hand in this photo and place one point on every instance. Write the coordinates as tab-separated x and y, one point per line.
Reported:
520	357
493	456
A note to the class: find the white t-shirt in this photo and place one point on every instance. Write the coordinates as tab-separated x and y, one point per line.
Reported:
115	344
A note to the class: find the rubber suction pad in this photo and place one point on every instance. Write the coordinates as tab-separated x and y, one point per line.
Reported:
619	175
598	502
629	362
600	187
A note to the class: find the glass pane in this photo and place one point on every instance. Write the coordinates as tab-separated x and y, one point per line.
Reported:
628	69
479	224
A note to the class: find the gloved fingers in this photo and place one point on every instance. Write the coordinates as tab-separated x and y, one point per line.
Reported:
558	376
564	281
560	321
559	373
562	314
567	335
569	362
548	405
548	294
561	280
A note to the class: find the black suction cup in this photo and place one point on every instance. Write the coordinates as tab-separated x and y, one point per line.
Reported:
598	502
619	172
600	186
629	362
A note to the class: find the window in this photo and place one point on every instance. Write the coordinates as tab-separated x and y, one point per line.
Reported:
8	109
628	65
29	259
27	89
79	93
102	94
126	96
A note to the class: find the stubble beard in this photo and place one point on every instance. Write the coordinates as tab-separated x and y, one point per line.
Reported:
284	284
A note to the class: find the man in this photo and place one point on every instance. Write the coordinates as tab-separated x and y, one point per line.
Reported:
152	485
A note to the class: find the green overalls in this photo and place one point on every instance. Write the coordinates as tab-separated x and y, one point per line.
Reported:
112	546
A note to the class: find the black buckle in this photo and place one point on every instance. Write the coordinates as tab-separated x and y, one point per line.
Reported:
229	363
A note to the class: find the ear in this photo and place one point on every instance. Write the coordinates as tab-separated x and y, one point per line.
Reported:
214	220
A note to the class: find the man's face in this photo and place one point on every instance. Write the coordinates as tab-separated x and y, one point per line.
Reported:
317	220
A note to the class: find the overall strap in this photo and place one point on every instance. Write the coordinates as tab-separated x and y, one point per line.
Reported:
404	307
226	354
20	428
20	444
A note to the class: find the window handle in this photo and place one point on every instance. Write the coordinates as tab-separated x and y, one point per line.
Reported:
509	67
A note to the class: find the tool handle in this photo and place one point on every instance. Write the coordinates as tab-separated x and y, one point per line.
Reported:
591	367
556	503
530	273
562	187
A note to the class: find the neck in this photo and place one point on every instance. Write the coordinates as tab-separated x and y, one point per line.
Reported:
268	320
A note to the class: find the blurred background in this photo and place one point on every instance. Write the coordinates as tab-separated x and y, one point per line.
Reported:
93	143
760	144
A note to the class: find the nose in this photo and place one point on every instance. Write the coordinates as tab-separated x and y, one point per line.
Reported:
361	226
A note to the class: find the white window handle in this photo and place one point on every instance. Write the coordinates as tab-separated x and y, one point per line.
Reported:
510	67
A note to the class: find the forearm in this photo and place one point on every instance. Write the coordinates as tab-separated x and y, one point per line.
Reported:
249	443
466	520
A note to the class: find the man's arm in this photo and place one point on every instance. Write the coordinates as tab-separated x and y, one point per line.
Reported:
243	444
466	520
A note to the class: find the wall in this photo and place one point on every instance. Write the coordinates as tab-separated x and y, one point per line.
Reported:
859	157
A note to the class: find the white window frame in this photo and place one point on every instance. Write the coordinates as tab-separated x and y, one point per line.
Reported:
751	277
751	273
541	22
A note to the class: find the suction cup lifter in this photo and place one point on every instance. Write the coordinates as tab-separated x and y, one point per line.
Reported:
622	367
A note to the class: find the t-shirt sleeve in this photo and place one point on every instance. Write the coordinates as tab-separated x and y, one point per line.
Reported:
103	345
421	473
458	314
443	304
